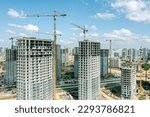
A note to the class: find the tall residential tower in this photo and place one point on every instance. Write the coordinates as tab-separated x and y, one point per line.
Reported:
89	70
34	69
104	62
75	53
10	75
59	62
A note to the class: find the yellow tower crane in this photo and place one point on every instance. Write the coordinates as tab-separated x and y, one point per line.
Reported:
82	28
47	33
54	15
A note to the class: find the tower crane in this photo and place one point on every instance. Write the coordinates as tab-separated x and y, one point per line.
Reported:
12	41
110	49
82	28
54	15
47	33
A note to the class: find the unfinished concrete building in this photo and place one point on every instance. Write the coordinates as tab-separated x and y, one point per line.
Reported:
89	70
59	62
10	66
128	81
104	62
34	69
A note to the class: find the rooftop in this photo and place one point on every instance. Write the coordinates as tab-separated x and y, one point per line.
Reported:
33	38
89	41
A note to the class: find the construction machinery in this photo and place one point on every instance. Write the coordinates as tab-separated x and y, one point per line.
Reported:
12	42
47	33
54	15
82	28
110	49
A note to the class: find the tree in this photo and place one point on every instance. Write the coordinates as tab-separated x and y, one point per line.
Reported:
146	67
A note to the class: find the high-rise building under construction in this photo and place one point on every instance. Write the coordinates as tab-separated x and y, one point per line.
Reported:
34	69
128	81
10	65
88	70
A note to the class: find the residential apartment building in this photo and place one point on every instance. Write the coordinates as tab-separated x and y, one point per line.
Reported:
124	54
115	62
128	81
88	70
76	61
34	69
104	53
58	62
67	56
10	66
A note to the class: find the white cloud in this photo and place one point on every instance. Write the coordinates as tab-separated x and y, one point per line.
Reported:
22	35
93	27
29	27
146	39
122	34
65	42
62	41
58	32
15	14
93	34
104	16
15	25
69	42
75	28
73	38
85	2
74	34
126	35
81	34
135	10
97	1
86	26
2	40
10	31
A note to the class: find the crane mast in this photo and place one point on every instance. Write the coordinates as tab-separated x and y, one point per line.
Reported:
12	41
110	49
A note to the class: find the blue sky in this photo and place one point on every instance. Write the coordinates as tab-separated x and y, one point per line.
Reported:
127	21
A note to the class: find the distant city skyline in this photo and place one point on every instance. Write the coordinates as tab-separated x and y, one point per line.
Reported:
127	21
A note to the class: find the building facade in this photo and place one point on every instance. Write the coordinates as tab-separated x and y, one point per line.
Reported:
34	69
132	55
128	82
115	62
104	53
10	66
59	62
124	54
76	61
89	70
67	56
144	54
